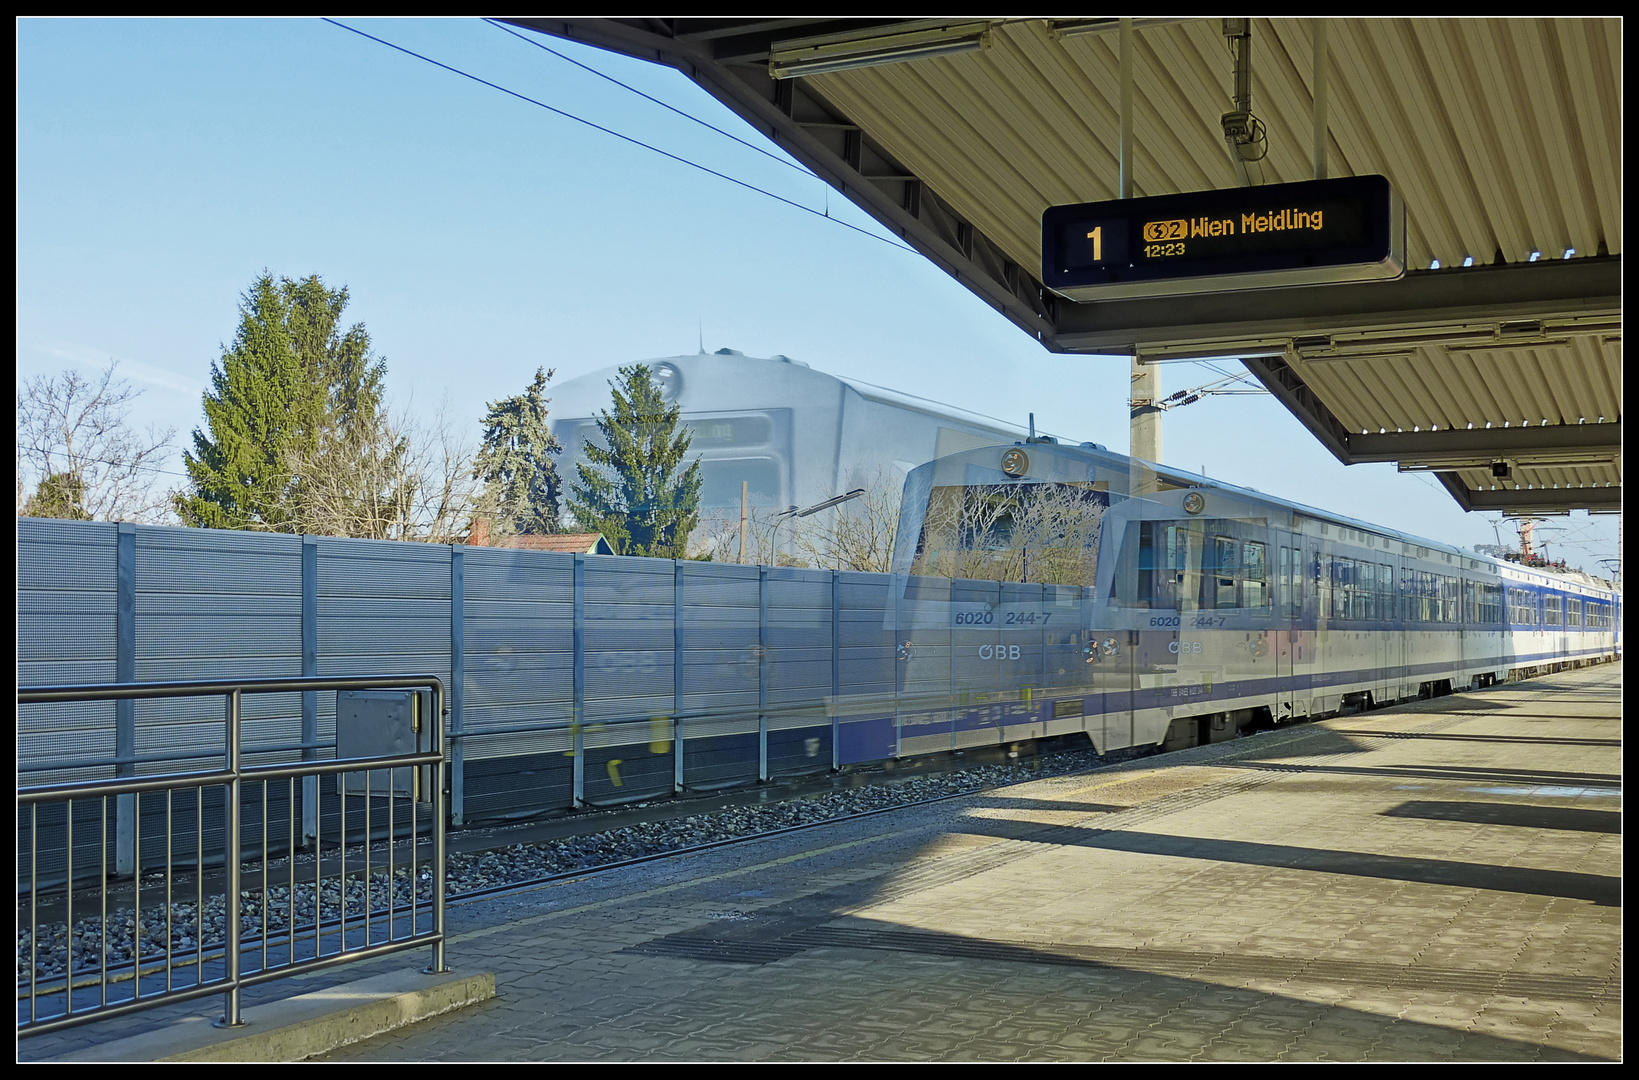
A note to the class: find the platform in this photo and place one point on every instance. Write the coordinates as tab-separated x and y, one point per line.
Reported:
1440	881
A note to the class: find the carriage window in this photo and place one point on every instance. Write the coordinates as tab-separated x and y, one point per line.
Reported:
1345	599
1221	573
1165	565
1255	588
1522	606
1234	573
1550	611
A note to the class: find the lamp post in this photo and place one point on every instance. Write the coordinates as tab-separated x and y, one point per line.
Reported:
792	512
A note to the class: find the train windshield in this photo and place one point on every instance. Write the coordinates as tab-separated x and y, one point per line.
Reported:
1043	532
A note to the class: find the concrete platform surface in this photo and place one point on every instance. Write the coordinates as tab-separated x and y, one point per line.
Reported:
1436	882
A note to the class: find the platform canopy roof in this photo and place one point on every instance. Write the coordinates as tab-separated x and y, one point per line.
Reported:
1494	361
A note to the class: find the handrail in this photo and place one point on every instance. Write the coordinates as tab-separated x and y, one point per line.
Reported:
232	777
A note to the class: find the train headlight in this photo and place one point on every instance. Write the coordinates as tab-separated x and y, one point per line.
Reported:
1194	502
1110	646
670	381
904	650
1015	463
1090	651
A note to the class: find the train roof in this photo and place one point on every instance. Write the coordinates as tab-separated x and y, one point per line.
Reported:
902	400
571	392
1094	452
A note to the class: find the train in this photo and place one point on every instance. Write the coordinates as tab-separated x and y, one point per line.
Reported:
1049	588
792	435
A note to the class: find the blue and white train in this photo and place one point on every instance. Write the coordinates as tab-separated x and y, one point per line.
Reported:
1146	606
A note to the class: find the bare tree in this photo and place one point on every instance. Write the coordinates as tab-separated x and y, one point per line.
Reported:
858	534
855	535
394	479
718	537
1044	533
77	450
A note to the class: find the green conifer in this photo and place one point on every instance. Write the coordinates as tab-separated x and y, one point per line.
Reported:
60	495
636	491
517	461
292	387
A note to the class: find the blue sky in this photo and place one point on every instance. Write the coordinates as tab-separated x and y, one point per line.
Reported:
163	164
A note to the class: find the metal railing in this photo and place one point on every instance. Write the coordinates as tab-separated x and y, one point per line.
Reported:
208	927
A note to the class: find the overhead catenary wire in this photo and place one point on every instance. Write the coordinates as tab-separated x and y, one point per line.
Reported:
805	170
626	138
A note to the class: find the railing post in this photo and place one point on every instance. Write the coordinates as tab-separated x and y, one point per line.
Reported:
458	674
901	665
125	710
762	674
577	722
439	966
677	677
310	698
230	856
836	669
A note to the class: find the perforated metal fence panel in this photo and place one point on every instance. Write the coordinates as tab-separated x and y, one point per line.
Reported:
575	679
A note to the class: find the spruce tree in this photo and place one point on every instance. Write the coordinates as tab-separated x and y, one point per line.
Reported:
636	491
517	461
60	495
291	389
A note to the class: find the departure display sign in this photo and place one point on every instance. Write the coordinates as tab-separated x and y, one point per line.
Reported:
1312	232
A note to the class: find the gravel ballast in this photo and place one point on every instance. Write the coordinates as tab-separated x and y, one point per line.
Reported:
478	871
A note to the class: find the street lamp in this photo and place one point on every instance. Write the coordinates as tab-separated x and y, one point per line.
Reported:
792	512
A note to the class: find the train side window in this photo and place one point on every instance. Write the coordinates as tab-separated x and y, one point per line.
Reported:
1255	587
1573	612
1220	575
1524	607
1551	611
1148	585
1385	592
1168	560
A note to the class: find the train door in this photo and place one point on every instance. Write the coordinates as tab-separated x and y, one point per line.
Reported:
1164	657
1134	655
1390	646
1111	640
1288	603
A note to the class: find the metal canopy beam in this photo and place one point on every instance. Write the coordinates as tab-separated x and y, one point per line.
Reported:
1556	444
1561	288
1536	500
